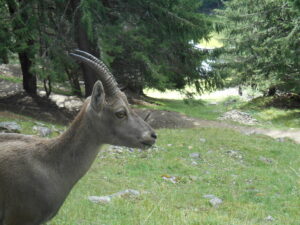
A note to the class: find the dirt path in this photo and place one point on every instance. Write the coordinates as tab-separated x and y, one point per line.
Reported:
167	119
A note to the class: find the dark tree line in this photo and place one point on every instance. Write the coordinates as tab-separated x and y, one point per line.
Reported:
145	43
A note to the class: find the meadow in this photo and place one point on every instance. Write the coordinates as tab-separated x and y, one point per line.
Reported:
257	178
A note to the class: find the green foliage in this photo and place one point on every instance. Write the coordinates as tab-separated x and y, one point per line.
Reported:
262	47
148	43
208	6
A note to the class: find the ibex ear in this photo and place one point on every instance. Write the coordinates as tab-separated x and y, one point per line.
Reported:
98	97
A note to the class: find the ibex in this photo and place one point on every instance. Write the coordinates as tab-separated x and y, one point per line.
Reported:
36	174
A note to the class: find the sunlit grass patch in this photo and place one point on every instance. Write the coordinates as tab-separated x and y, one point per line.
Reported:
251	189
11	79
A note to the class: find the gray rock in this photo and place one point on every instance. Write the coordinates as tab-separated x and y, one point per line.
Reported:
269	218
209	196
172	179
109	198
215	202
265	160
127	192
195	155
193	178
234	154
10	127
39	124
194	163
42	131
239	116
203	140
281	139
100	199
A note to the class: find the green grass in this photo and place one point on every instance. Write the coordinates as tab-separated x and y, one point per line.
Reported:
11	79
272	116
28	123
250	189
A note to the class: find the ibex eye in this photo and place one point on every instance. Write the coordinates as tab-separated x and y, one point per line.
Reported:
121	114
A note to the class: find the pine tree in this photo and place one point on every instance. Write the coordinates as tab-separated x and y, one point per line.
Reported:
263	44
150	43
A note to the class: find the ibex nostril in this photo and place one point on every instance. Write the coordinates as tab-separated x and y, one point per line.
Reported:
153	135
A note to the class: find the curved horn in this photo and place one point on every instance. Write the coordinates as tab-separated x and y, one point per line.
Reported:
109	83
96	60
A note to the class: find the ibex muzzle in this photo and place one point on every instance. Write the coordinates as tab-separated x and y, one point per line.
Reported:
36	174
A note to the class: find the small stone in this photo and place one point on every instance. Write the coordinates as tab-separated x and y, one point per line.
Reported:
39	124
119	151
130	149
42	131
10	127
238	116
195	155
234	154
215	202
265	160
203	140
169	145
100	199
281	139
193	178
172	179
108	198
190	147
269	218
127	192
209	196
194	163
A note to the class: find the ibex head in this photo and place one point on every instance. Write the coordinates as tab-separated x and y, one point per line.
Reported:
108	110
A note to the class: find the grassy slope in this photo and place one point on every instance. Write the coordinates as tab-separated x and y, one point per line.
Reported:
251	189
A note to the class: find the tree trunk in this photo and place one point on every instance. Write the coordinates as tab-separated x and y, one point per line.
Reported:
25	57
29	79
85	44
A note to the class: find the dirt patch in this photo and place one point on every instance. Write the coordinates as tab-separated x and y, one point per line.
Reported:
37	107
10	70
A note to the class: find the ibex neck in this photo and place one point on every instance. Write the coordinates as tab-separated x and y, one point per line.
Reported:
75	150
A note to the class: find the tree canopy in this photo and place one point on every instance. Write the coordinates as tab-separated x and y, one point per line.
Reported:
262	44
146	43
